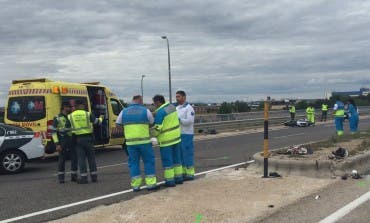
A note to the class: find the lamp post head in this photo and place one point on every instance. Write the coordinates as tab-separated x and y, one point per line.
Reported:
142	76
164	37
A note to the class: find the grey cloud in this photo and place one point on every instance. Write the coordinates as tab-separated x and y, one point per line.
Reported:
220	50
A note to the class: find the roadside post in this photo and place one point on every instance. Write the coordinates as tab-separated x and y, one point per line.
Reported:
265	137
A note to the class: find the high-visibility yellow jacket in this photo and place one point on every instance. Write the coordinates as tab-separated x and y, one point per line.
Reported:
324	107
136	125
82	122
339	109
167	125
310	110
61	127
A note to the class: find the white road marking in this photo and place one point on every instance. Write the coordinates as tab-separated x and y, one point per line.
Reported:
286	136
106	196
346	209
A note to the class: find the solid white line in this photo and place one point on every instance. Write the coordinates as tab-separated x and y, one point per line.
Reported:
346	209
105	196
113	165
286	136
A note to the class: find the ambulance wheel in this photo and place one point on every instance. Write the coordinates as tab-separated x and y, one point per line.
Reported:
12	161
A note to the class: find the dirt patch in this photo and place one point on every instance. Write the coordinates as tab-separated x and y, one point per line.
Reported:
224	196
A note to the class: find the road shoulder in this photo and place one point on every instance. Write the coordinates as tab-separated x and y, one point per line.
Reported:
232	195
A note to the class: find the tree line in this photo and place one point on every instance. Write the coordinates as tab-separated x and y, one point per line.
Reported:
241	106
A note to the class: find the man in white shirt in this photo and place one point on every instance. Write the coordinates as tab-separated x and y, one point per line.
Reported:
186	117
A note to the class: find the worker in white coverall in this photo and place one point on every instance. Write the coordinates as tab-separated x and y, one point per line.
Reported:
186	116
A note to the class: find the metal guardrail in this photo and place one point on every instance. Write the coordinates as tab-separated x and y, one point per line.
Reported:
241	121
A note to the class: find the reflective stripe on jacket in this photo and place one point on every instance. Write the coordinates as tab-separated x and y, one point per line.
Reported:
60	127
167	125
80	122
339	112
324	107
136	125
310	110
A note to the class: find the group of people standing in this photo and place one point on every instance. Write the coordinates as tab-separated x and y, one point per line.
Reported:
173	127
340	112
72	133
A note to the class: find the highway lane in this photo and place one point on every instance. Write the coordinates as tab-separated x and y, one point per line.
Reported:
37	188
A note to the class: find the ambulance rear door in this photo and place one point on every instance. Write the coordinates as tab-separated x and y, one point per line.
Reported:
115	107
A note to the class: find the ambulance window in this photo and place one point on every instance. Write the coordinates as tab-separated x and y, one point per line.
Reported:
72	101
116	106
26	109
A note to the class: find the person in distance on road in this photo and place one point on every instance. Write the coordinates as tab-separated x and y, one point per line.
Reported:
352	116
292	111
324	111
310	113
338	110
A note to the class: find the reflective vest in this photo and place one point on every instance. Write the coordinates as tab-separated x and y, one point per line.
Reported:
136	125
59	127
324	107
340	110
80	122
168	132
310	110
292	109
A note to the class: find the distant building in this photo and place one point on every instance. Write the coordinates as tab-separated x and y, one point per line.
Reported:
362	92
206	108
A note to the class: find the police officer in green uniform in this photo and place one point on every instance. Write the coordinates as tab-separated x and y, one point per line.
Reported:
292	112
62	139
324	111
82	129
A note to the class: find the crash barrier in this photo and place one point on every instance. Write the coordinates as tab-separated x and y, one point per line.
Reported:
240	121
210	127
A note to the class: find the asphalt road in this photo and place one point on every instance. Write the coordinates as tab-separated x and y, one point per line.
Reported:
37	189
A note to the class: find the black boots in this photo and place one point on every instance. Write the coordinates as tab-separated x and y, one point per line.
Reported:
74	177
82	180
94	178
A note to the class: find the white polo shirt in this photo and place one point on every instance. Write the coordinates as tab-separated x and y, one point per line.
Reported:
186	115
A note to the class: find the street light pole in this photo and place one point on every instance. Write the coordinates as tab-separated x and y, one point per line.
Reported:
169	68
142	88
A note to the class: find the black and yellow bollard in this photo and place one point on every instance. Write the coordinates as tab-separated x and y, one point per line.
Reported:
266	137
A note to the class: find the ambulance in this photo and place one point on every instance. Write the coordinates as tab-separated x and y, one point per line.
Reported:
33	104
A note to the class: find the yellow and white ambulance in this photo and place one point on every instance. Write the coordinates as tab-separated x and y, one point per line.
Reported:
34	103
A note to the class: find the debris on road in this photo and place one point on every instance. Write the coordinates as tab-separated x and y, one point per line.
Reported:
339	153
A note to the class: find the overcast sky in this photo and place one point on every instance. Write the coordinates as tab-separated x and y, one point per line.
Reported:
220	50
